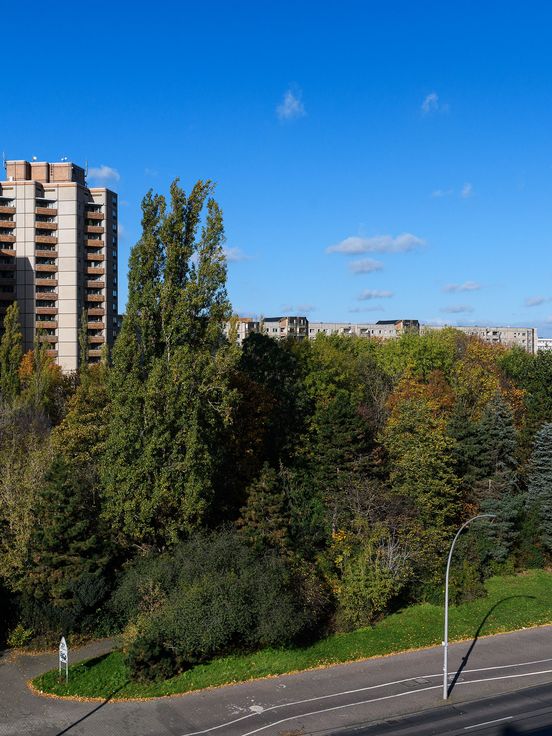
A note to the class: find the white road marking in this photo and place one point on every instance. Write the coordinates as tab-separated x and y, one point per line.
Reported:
372	687
488	723
385	697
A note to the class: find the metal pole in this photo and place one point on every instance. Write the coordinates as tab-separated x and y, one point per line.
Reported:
445	638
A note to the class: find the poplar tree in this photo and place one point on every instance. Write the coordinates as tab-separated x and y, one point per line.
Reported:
169	385
11	352
83	341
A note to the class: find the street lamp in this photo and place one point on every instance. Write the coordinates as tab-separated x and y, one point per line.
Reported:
445	638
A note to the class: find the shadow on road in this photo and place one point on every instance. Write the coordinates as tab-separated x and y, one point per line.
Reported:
91	713
513	731
476	637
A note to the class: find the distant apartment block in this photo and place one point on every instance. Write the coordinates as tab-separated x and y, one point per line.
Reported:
300	327
58	256
523	337
383	329
544	344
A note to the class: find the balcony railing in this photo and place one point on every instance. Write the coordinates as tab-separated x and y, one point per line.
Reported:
46	239
46	211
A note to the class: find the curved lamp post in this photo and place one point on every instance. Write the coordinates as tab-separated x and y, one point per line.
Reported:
445	639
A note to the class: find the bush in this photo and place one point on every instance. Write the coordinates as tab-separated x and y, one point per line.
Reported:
212	595
19	636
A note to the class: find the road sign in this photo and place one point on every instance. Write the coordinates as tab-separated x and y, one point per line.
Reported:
64	658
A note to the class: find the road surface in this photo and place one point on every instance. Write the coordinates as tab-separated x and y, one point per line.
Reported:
372	695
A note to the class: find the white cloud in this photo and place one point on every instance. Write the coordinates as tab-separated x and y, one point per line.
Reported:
432	103
291	106
467	190
367	265
355	244
439	193
536	301
374	294
457	309
466	286
373	308
234	255
298	309
103	173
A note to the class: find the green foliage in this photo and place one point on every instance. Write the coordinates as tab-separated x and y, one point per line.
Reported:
19	636
169	385
67	547
11	352
539	489
264	520
212	595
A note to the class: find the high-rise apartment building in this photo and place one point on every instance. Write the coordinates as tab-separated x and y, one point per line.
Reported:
58	257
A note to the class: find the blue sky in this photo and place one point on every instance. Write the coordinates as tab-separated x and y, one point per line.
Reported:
374	160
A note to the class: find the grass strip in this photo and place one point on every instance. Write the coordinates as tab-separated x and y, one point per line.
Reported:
513	602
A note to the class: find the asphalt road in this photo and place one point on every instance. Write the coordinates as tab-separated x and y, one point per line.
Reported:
374	695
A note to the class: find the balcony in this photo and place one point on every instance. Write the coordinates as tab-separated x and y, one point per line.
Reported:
94	229
43	282
95	284
43	324
47	310
46	253
7	224
95	257
90	215
4	210
95	325
8	266
94	243
52	339
96	339
5	238
52	353
96	311
6	251
95	353
45	211
46	239
95	271
46	268
95	298
39	225
46	296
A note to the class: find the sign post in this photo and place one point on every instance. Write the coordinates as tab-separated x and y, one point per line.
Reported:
63	658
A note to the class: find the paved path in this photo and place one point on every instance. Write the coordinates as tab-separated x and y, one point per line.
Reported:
321	701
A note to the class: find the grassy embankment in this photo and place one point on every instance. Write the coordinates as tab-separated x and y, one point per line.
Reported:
512	602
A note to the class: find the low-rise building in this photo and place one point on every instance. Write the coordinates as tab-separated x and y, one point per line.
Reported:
523	337
282	327
544	344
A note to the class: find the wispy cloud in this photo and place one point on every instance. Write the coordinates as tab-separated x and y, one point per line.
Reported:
374	294
234	255
151	172
536	301
440	193
291	106
355	244
103	173
367	265
299	309
373	308
432	104
467	190
466	286
457	309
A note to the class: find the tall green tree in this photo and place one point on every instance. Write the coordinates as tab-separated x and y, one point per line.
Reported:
169	385
539	487
83	341
11	352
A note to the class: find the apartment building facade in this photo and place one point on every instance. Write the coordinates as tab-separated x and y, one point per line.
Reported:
58	257
522	337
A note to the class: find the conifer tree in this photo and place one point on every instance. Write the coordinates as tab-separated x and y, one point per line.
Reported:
83	341
264	520
11	352
65	547
539	489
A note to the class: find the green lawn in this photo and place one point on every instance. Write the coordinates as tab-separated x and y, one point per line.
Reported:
513	602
